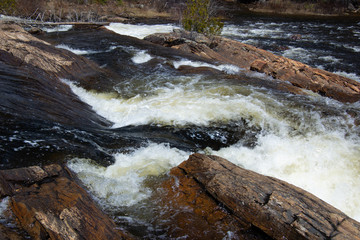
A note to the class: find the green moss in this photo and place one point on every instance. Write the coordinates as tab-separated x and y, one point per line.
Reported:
197	17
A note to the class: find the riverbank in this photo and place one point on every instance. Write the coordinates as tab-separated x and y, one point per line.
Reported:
124	10
74	11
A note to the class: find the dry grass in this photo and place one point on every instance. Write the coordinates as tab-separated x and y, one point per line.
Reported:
78	11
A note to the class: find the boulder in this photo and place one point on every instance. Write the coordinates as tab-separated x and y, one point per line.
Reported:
47	203
251	58
210	196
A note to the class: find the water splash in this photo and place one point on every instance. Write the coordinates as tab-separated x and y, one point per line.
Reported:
58	28
191	101
312	143
140	31
326	165
228	68
76	51
141	57
121	184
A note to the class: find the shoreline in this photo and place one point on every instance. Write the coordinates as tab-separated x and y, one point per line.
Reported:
129	12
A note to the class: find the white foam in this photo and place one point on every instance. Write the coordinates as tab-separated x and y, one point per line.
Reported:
76	51
4	207
4	204
265	32
330	59
180	104
353	76
298	53
140	31
326	164
121	184
58	28
10	18
228	68
302	146
141	57
253	31
352	47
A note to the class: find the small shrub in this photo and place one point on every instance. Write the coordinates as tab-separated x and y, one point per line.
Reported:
197	17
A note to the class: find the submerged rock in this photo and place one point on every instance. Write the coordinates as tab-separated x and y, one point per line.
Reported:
249	57
47	203
209	196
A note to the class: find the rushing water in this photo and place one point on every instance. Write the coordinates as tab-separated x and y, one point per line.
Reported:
161	114
331	44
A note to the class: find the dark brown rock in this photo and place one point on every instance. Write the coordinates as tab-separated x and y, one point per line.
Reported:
9	234
56	62
47	203
264	206
251	58
38	67
34	30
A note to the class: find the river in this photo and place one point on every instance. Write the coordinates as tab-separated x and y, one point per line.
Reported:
161	114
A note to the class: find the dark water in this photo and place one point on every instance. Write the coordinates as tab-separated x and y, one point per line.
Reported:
332	44
123	134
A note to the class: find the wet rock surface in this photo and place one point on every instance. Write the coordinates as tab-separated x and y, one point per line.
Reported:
47	203
212	193
40	54
34	68
255	59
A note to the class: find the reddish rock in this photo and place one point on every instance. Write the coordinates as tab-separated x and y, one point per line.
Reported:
187	211
255	59
209	196
47	203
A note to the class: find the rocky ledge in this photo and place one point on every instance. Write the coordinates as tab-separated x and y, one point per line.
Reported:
251	58
210	195
47	203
